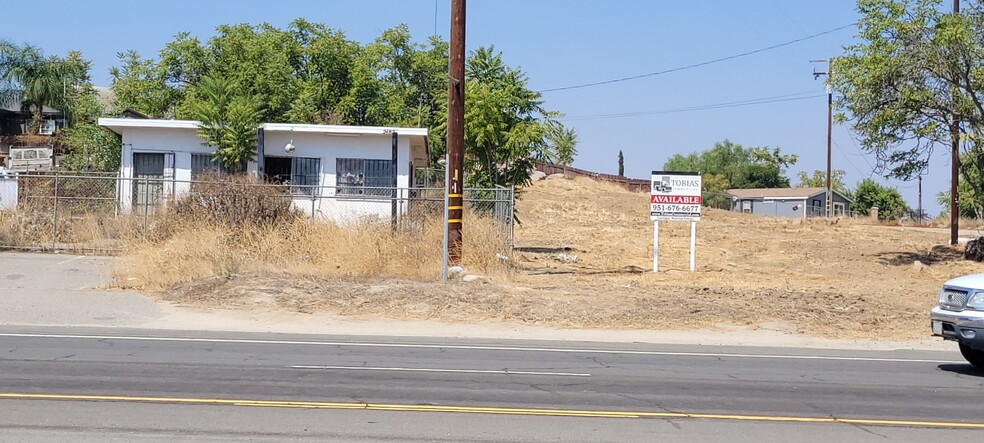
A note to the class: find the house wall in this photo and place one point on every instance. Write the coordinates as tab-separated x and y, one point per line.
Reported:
182	143
329	148
179	143
822	197
810	207
777	208
839	199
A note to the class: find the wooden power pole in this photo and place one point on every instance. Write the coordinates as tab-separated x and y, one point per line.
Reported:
456	131
954	165
830	124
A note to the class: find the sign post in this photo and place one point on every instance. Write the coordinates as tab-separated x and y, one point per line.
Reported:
675	196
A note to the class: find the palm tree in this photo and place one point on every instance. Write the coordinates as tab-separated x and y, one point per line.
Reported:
37	81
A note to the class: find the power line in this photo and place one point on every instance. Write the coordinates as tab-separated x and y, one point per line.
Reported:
733	104
844	154
742	20
858	147
697	65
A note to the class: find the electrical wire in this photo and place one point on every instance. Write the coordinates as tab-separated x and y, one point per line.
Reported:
733	104
697	65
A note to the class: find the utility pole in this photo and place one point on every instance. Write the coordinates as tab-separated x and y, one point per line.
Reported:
456	131
830	124
919	211
954	165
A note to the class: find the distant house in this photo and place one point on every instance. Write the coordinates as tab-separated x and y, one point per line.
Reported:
332	171
15	118
787	202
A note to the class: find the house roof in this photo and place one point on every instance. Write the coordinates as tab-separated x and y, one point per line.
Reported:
16	106
341	129
777	193
117	124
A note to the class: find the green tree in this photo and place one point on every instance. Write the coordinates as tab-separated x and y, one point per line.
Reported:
915	67
309	73
141	84
37	81
563	144
740	167
870	194
93	148
970	202
621	164
506	125
227	120
715	191
818	179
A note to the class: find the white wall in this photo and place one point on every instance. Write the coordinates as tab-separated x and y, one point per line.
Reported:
182	143
329	148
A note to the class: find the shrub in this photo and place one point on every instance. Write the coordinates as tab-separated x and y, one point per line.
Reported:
235	200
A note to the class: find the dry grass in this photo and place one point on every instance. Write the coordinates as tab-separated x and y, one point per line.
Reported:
583	260
69	231
192	251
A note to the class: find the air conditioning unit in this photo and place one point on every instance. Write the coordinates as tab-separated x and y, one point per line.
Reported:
47	127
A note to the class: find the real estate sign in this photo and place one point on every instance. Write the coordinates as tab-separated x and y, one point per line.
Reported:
675	196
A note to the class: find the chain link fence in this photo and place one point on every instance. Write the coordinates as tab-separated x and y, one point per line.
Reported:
83	213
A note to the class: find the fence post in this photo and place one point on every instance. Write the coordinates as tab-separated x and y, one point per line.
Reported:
54	218
146	203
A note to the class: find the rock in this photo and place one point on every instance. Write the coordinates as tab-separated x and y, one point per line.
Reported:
537	176
566	258
918	265
975	250
558	175
472	278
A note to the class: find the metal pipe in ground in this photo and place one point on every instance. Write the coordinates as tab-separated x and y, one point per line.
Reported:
54	218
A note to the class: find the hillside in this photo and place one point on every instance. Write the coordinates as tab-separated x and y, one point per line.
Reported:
835	277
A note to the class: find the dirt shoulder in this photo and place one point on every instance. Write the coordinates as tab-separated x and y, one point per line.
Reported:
582	261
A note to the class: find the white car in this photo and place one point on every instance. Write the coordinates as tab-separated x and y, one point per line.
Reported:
960	316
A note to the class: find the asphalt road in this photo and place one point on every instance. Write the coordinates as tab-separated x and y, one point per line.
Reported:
110	384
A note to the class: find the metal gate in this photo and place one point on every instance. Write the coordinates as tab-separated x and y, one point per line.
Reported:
148	187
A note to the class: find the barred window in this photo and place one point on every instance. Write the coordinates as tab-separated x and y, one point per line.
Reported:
372	178
205	163
303	174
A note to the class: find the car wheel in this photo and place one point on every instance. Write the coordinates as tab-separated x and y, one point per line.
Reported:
974	356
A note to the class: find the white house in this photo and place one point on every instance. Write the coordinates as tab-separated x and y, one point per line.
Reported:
334	172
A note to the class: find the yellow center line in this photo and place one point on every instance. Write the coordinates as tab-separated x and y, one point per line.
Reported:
491	410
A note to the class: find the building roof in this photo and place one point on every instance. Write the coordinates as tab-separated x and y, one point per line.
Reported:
15	106
117	124
777	193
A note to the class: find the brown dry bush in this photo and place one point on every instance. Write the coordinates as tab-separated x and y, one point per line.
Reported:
234	200
204	235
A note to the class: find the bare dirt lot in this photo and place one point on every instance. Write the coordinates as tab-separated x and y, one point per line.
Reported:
583	260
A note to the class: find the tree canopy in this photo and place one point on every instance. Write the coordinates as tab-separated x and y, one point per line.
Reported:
818	179
737	166
729	165
310	73
37	81
915	67
227	120
870	194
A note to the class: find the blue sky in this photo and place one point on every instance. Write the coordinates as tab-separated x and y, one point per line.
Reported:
563	43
